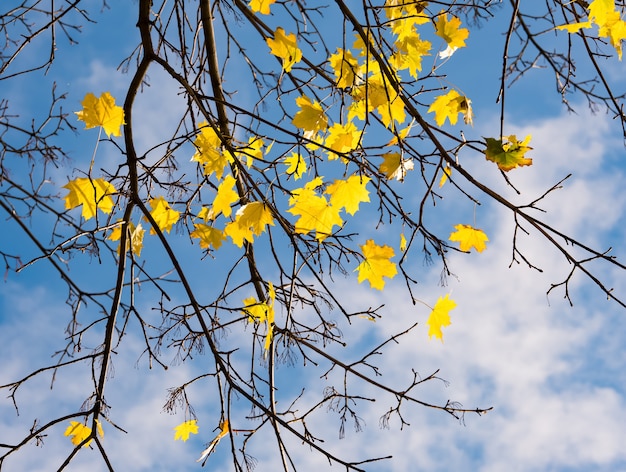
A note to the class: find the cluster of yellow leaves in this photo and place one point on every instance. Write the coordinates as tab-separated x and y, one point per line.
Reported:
262	312
92	194
250	220
605	15
508	153
320	214
209	151
376	264
449	106
78	432
102	112
440	317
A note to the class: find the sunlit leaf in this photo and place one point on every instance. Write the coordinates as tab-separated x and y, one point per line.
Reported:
285	47
376	264
92	194
164	216
440	317
102	112
349	193
183	430
208	236
508	153
261	6
469	238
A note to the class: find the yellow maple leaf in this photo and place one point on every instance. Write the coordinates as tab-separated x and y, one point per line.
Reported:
469	238
92	194
409	47
446	172
508	153
259	312
316	213
209	151
440	316
102	112
78	432
135	237
296	165
285	47
376	264
163	214
406	8
225	197
183	430
343	138
449	106
451	32
349	193
224	429
311	116
253	150
261	6
394	167
250	220
208	235
345	65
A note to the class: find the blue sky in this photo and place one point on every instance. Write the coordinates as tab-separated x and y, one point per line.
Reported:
554	374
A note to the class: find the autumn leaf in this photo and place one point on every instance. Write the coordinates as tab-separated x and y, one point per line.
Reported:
224	429
259	312
508	153
296	165
402	242
343	138
376	264
311	116
440	317
208	236
92	194
446	172
449	106
253	150
349	193
316	213
452	33
345	65
261	6
394	167
469	237
78	432
102	112
162	214
135	237
285	47
183	430
225	197
250	220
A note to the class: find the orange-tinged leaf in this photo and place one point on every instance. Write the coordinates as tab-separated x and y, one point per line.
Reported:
440	317
163	215
508	153
349	193
451	32
261	6
183	430
251	219
311	116
285	47
296	165
376	264
92	194
208	236
469	238
102	112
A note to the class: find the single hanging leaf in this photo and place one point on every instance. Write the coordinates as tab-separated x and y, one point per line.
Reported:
250	219
183	430
452	33
445	174
224	429
78	432
208	236
285	47
403	242
449	106
102	112
376	264
163	215
225	197
469	238
261	6
440	317
311	116
316	213
394	167
135	237
508	153
349	193
343	138
296	165
92	194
